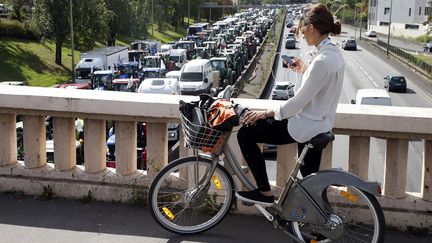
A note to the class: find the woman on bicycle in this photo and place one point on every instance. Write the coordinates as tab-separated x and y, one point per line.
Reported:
309	113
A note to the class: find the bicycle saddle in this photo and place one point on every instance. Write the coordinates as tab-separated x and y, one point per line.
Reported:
320	141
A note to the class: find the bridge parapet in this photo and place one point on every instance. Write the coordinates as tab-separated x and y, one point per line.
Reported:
397	125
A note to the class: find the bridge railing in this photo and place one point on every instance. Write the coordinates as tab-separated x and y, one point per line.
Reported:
33	175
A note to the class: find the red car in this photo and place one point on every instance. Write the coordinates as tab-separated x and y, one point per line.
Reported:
293	29
73	86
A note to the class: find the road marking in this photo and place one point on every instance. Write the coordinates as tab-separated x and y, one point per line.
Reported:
363	70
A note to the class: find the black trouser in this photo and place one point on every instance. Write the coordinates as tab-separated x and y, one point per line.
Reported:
274	132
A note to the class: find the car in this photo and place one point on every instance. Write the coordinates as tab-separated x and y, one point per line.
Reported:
372	97
293	29
395	82
289	24
349	44
159	86
291	36
428	47
290	44
370	33
282	90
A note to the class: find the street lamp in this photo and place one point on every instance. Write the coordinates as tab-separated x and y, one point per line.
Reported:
388	34
152	19
72	42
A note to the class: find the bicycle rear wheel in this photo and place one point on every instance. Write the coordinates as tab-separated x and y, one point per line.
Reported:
356	216
176	204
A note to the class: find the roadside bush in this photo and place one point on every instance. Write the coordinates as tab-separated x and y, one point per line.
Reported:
16	29
424	38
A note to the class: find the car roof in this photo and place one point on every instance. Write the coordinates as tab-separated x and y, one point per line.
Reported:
372	93
177	51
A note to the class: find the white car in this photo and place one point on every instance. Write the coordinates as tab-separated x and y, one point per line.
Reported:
370	33
159	86
283	90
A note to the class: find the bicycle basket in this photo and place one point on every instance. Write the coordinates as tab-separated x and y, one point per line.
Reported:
202	137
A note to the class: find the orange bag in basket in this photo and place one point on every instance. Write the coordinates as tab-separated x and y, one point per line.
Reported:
222	116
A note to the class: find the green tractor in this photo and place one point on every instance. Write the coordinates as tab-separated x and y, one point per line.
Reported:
226	74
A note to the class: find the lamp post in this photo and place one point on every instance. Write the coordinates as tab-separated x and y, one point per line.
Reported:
188	12
355	19
152	19
388	34
72	41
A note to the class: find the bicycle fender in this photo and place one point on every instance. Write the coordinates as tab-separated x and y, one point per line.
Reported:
299	204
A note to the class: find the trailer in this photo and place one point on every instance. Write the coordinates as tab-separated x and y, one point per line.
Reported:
151	46
104	58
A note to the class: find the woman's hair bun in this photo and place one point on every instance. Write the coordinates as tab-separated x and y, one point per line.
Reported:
337	28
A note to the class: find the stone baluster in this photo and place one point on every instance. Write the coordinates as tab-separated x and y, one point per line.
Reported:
34	141
64	143
427	171
395	168
286	159
126	147
157	147
326	158
94	145
8	145
359	156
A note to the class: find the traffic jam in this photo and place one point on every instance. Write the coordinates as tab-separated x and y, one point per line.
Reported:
208	59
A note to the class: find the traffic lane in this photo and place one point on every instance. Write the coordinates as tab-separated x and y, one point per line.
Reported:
407	45
378	66
369	67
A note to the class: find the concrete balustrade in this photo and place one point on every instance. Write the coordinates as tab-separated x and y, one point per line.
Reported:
126	109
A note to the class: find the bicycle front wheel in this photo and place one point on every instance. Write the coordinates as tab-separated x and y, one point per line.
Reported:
177	203
355	215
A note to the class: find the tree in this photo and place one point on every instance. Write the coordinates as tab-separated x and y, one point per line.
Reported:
18	7
90	22
51	16
117	20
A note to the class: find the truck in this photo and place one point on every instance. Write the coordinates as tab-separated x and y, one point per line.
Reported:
104	58
151	46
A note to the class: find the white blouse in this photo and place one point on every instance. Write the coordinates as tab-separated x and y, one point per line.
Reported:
312	110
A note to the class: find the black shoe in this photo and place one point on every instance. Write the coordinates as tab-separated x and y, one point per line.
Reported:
255	196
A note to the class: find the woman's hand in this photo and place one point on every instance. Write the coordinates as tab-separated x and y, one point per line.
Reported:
251	117
298	65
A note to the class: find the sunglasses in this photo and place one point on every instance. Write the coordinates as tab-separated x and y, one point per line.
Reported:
304	28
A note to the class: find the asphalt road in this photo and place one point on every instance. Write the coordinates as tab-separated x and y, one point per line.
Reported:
27	219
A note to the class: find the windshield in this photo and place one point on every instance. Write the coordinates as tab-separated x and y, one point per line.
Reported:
151	63
102	80
135	56
281	87
191	77
83	73
175	59
194	30
217	64
151	74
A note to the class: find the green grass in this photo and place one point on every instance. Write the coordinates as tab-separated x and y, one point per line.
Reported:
425	58
33	62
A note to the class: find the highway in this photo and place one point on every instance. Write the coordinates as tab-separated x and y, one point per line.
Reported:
366	68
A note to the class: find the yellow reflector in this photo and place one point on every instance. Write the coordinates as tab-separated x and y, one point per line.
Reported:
349	196
217	182
168	213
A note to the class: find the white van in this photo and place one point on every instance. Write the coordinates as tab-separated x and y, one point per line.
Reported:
173	74
178	57
196	77
372	97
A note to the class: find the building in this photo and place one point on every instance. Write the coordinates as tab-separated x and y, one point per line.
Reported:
407	16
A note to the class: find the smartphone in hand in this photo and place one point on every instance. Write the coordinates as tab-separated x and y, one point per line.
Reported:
289	60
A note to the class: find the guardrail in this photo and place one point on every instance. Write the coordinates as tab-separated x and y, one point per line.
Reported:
411	58
125	183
